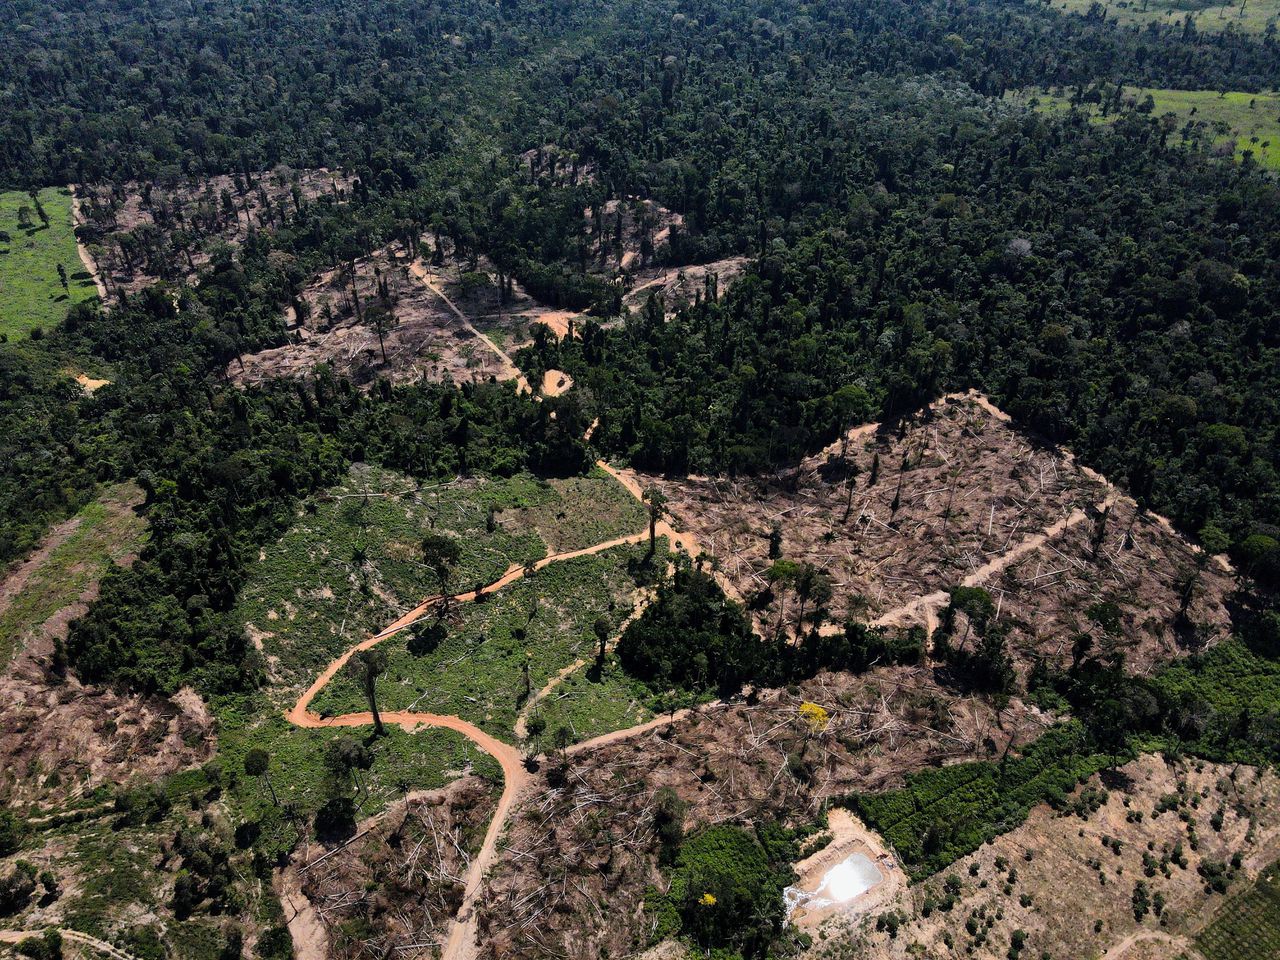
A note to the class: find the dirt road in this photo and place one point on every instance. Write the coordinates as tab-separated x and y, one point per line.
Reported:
86	258
461	939
926	608
420	273
460	943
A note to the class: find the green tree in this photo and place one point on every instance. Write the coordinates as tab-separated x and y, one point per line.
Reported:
365	666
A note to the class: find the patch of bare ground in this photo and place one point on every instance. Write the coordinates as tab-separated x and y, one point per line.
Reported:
554	164
677	286
59	738
140	232
497	303
375	318
580	852
398	886
956	495
629	234
1070	880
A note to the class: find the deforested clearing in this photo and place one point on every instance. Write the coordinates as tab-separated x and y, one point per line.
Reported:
1146	851
586	836
170	228
373	318
36	240
899	514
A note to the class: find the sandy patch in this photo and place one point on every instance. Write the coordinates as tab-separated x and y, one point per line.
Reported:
555	382
852	875
90	384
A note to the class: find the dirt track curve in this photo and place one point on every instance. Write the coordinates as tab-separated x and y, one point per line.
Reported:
460	943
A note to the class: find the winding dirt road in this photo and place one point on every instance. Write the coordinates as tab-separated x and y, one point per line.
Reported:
460	943
461	940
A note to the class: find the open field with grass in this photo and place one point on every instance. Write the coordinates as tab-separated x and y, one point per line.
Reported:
304	777
1249	16
471	663
31	292
352	563
1223	123
590	702
104	532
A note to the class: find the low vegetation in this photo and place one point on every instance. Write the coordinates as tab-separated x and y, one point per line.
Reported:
725	887
1221	122
1248	16
41	275
483	660
941	815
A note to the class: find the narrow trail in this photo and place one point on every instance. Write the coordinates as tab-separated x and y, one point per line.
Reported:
86	258
1182	944
419	273
17	936
521	726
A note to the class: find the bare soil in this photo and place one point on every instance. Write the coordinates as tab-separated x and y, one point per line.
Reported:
630	234
404	876
975	498
582	848
1059	859
677	286
138	233
423	337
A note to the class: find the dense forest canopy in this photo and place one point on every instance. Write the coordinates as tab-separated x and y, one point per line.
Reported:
907	233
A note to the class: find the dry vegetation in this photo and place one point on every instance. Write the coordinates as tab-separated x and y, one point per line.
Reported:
974	498
61	739
582	847
139	233
400	881
1167	825
371	318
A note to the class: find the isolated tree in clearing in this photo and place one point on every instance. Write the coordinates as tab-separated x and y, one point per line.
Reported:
657	502
257	763
365	668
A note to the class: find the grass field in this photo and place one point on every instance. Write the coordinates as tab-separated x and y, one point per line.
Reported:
1248	925
102	533
1231	122
31	293
351	563
590	702
476	671
1250	16
301	778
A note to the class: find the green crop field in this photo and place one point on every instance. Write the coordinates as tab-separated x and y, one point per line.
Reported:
31	292
588	703
1248	925
475	669
1249	16
1226	122
102	533
302	779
